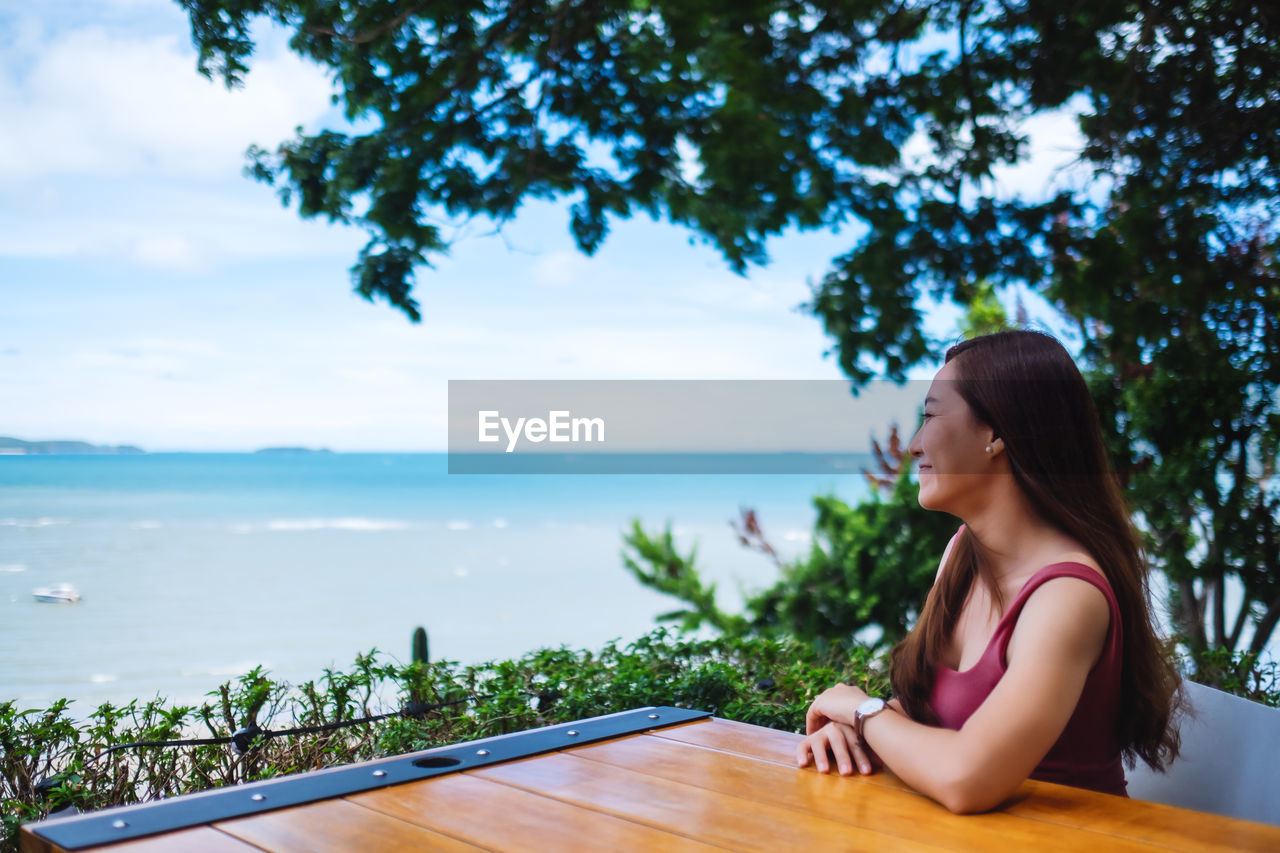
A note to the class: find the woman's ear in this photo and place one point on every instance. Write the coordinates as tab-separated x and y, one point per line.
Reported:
995	447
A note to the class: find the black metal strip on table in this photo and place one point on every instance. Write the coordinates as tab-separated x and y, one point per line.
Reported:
128	822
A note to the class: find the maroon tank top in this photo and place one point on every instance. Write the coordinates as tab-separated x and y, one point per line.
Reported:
1087	755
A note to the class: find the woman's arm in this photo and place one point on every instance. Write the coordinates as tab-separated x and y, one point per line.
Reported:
1058	639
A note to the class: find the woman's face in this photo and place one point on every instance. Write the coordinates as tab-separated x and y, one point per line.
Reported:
950	449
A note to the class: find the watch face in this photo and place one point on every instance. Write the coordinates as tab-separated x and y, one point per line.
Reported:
871	706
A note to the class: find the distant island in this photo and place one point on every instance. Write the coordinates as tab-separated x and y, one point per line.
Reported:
18	447
293	450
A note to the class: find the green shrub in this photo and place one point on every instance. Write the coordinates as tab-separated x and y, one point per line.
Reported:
1241	673
870	567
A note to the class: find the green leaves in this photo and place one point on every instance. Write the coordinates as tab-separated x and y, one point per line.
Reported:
655	562
476	107
870	567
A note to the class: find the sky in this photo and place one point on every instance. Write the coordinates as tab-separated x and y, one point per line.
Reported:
151	294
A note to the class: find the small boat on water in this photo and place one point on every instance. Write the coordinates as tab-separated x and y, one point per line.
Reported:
59	593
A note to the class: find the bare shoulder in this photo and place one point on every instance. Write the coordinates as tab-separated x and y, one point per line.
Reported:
1081	557
1065	599
1064	617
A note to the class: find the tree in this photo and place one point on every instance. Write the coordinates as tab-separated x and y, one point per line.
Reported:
743	118
1170	273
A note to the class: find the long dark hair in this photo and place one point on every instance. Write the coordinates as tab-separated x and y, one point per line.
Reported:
1026	388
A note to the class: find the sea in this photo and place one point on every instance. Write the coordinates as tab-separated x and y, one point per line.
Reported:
193	568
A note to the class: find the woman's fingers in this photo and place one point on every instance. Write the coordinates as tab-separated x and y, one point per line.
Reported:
804	753
834	742
815	748
814	719
861	755
835	704
840	749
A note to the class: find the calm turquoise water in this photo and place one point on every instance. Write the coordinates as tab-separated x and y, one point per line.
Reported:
196	567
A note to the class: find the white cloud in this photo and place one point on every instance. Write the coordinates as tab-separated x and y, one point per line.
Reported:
711	353
95	101
187	226
562	269
167	253
761	294
114	147
1052	158
138	358
385	377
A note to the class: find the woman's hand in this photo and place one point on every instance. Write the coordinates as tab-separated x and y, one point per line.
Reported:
829	726
842	743
833	705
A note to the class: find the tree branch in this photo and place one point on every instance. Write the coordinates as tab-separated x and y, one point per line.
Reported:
1192	621
367	36
1265	627
1219	611
1242	617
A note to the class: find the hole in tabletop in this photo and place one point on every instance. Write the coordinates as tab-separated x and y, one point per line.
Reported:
437	761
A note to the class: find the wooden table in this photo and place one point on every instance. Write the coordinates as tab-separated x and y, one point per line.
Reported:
704	785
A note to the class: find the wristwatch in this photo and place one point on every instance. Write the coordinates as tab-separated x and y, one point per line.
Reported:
869	708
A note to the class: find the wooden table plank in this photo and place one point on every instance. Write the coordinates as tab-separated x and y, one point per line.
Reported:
700	813
739	738
1137	820
337	826
852	800
1166	826
501	817
771	745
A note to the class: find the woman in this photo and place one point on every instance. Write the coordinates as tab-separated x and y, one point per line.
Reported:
1034	654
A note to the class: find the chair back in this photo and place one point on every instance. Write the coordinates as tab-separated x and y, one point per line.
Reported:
1229	762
